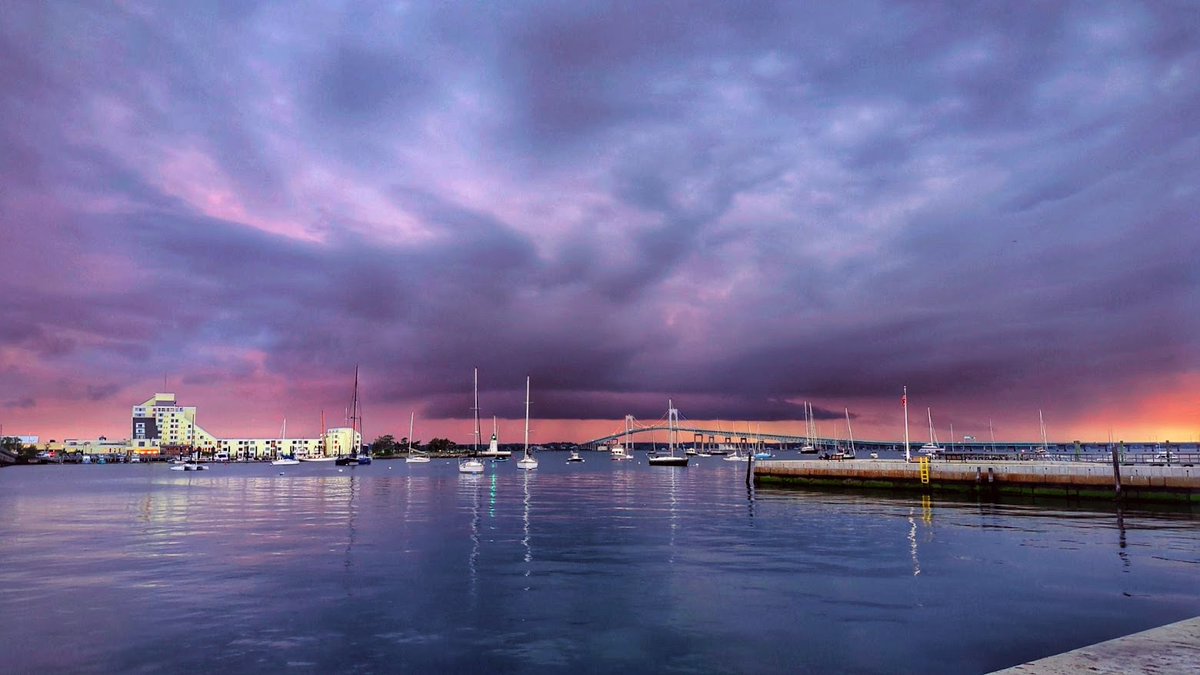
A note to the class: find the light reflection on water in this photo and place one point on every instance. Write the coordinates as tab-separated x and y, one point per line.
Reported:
595	566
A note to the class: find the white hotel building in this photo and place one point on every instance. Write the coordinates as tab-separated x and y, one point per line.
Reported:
161	424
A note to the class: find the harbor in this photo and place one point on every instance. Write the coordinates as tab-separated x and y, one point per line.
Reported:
1099	479
597	566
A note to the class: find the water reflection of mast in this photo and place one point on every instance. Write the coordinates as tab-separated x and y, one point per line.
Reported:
349	562
525	539
472	560
912	542
674	516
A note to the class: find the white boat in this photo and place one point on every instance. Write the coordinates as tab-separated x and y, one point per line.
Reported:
528	461
473	464
846	452
288	459
670	459
931	448
1044	451
189	465
622	452
323	457
809	431
414	456
574	457
192	463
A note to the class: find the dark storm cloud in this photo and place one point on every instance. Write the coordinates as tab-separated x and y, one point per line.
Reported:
740	207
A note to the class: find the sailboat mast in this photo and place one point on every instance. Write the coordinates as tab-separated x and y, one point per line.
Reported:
412	416
526	416
904	403
356	421
1042	424
849	431
475	441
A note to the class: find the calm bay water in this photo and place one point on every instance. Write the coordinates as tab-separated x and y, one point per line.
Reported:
598	567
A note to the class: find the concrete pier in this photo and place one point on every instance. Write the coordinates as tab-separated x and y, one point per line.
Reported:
1087	480
1166	650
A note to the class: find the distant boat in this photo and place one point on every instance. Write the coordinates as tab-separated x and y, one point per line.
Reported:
574	457
846	452
323	457
473	464
809	432
357	455
670	459
931	448
1044	450
190	464
287	459
528	462
414	456
621	452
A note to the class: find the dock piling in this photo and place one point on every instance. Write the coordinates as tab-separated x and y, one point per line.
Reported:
1117	470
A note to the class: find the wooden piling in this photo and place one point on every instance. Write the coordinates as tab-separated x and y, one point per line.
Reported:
1117	470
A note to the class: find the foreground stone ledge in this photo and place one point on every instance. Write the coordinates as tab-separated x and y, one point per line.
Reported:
1090	480
1166	650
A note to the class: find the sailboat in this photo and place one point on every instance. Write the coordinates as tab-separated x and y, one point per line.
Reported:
671	459
193	460
808	448
191	464
1044	451
473	464
286	459
355	458
528	462
760	446
931	448
846	453
324	456
414	457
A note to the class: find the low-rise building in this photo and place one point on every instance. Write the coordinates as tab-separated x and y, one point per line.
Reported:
161	426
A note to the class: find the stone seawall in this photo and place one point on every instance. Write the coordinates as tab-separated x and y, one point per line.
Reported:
1065	479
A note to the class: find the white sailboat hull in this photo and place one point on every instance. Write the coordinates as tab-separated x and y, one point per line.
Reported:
189	467
470	466
416	460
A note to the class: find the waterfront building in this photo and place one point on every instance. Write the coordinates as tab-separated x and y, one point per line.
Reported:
160	423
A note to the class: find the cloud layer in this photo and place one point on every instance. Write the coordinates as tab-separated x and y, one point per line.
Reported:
739	207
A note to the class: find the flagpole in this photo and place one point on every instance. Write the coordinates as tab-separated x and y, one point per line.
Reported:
904	402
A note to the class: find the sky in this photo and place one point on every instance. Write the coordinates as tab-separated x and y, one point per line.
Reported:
735	206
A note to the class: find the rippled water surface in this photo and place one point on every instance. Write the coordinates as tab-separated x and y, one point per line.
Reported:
602	566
